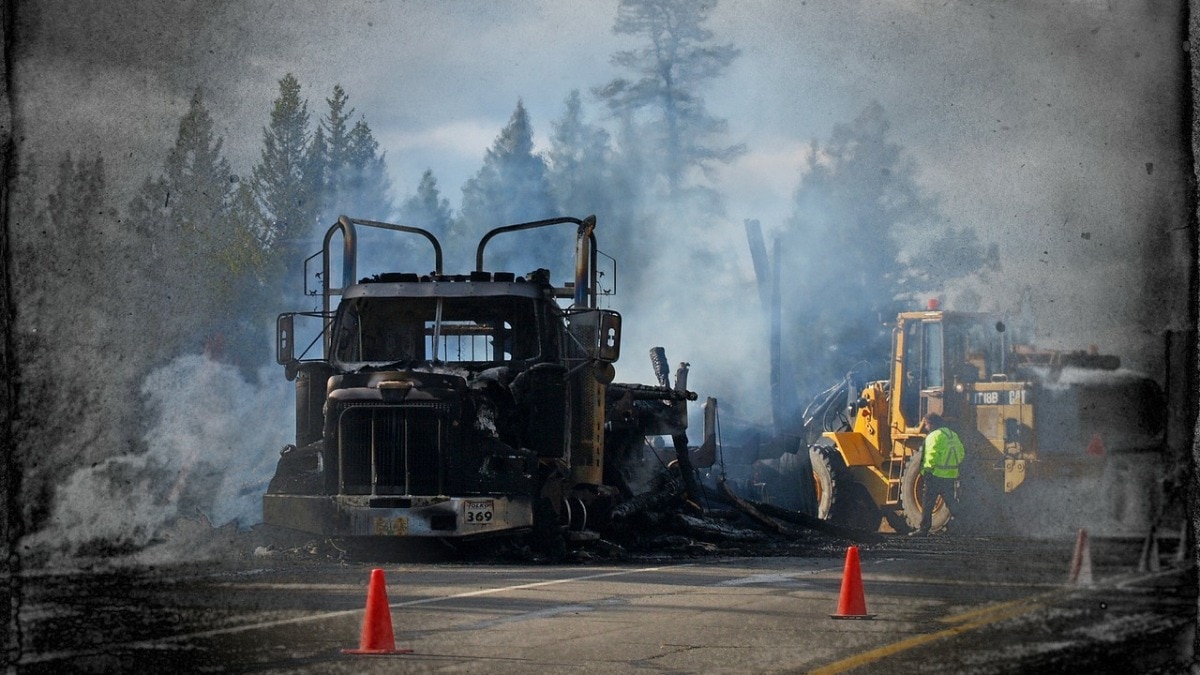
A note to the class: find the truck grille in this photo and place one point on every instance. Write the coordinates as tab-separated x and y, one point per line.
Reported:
392	450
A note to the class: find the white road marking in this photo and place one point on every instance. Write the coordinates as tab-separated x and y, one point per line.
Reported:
166	642
407	603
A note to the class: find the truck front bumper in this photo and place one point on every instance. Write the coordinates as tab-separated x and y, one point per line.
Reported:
361	515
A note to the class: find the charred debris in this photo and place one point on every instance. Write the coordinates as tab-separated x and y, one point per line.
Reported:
666	499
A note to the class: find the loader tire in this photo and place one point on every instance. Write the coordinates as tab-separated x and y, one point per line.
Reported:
828	470
840	499
910	496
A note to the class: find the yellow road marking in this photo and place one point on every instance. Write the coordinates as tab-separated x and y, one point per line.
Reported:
984	611
967	621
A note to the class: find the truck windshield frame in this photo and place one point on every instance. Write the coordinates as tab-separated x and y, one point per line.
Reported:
464	330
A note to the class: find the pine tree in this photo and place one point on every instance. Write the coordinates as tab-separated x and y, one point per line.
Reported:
317	176
631	208
512	187
327	157
588	178
245	284
943	258
77	220
865	238
189	206
77	198
283	180
247	257
335	124
578	163
428	210
668	76
349	175
196	172
79	294
368	182
195	214
203	231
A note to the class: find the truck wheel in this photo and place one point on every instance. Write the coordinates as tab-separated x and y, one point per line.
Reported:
548	535
910	496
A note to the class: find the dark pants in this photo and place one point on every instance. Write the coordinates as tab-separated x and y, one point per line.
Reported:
933	487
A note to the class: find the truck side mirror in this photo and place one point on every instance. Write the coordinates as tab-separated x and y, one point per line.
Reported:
598	332
608	347
285	351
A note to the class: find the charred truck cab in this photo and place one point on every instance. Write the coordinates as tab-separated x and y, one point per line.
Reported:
451	406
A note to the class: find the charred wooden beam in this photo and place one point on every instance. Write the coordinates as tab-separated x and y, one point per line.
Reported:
649	392
805	520
758	512
646	501
715	530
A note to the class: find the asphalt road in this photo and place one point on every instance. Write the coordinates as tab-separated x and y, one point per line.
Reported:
945	604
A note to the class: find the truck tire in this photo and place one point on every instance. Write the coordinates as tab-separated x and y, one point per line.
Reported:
910	496
548	535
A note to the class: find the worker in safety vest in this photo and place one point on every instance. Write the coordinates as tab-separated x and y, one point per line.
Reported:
944	452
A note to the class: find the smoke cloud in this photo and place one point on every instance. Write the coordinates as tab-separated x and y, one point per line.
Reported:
213	440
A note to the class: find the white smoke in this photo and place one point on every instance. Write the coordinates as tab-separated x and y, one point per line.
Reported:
699	301
212	421
211	448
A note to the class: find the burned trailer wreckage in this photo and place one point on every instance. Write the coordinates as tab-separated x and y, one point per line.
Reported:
462	407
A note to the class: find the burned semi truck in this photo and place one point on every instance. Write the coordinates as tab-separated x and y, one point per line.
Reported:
460	406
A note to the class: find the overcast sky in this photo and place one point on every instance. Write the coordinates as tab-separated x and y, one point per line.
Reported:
1052	127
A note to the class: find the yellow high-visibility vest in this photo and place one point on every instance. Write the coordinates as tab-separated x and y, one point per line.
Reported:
943	453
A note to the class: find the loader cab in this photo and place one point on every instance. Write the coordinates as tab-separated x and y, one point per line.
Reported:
937	357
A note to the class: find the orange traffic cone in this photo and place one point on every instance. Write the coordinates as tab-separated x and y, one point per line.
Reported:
1081	563
852	604
377	636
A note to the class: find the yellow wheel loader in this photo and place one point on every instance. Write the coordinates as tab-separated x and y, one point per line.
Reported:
1035	425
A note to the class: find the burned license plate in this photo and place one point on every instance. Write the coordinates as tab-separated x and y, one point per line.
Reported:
479	512
391	527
